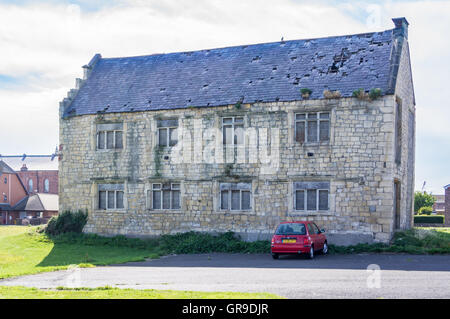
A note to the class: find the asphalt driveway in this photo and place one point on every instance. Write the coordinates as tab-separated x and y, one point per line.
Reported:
332	276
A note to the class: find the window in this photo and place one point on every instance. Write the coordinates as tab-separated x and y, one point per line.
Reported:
398	132
311	196
110	136
233	130
235	196
165	196
110	196
30	185
6	180
5	198
167	132
312	127
46	186
291	229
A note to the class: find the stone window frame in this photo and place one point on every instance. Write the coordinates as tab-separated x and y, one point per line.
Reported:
233	124
318	119
110	187
150	193
245	186
167	124
105	128
318	185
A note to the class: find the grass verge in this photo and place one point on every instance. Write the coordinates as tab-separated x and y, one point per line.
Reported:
16	292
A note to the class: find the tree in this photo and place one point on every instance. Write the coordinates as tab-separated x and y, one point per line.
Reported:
422	200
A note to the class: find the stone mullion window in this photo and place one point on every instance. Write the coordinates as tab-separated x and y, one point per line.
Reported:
311	196
233	130
110	196
110	136
166	196
235	196
312	127
167	132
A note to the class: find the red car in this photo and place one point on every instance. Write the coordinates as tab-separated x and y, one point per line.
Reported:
299	237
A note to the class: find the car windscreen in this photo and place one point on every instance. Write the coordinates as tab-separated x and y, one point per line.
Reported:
291	229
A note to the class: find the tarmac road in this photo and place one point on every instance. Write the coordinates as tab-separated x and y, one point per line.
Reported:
331	276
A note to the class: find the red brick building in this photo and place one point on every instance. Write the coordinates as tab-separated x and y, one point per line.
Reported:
39	181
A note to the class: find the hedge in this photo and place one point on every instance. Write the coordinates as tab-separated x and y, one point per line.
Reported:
426	219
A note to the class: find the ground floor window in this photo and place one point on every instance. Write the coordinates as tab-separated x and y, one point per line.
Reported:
311	196
165	196
235	196
110	196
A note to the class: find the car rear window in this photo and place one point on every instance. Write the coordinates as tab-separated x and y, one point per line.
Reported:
291	229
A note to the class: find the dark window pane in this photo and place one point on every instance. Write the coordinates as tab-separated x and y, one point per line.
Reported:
224	200
300	116
300	132
227	135
102	200
246	200
324	130
323	200
238	134
101	140
162	137
235	200
311	199
300	200
109	139
119	141
119	199
166	199
156	199
111	200
175	199
324	115
312	115
173	136
312	131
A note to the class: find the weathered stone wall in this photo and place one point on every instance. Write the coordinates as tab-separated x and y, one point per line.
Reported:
358	162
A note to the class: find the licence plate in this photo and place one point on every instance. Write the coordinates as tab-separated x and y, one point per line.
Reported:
288	241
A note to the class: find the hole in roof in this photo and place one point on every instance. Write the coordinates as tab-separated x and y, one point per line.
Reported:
293	58
274	68
256	58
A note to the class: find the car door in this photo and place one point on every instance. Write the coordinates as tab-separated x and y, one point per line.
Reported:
320	236
313	235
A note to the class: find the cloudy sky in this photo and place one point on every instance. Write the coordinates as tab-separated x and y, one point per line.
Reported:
43	45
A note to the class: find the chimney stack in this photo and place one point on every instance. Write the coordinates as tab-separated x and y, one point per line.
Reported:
401	26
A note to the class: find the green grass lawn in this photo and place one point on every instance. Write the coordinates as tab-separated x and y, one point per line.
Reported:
23	252
117	293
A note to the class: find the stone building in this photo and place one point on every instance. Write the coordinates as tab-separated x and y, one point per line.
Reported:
242	138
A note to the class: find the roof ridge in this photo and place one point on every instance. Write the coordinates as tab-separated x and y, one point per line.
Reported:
247	45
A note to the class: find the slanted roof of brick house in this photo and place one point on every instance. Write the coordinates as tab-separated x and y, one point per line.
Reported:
265	72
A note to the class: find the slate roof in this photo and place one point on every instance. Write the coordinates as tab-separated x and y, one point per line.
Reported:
38	202
5	168
265	72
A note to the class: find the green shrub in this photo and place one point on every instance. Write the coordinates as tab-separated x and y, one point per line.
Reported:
426	210
306	91
422	199
67	222
374	94
425	219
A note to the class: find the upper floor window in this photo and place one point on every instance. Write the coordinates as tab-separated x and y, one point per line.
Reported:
6	180
235	196
5	198
233	130
30	185
110	196
312	127
165	196
311	196
167	132
110	136
46	185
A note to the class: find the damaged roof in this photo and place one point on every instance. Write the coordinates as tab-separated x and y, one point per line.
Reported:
265	72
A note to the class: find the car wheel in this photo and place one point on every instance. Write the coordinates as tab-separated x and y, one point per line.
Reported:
275	256
311	253
325	249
